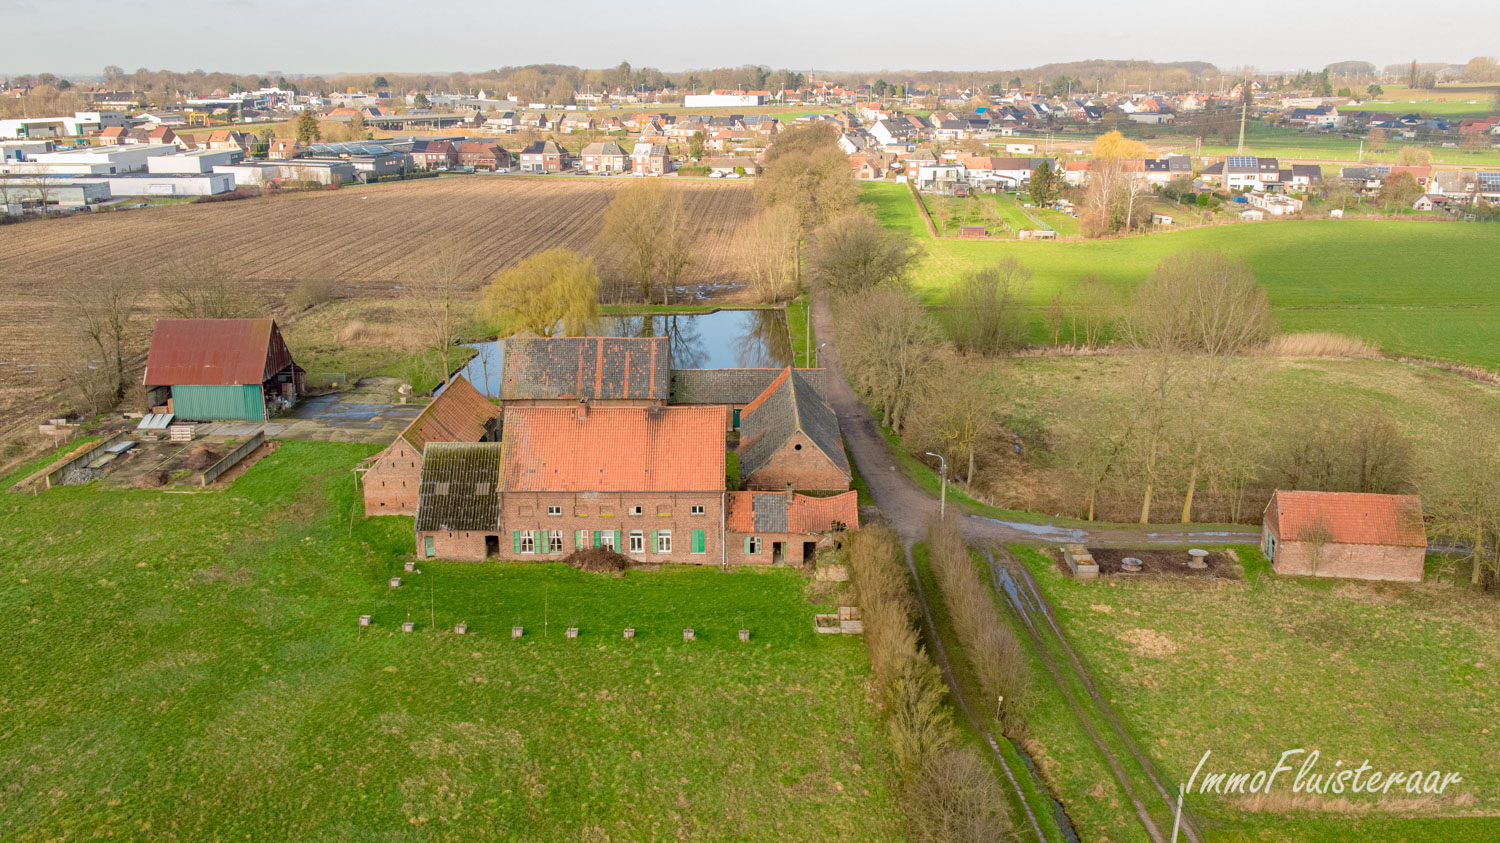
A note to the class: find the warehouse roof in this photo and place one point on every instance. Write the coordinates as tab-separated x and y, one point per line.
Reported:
787	406
458	414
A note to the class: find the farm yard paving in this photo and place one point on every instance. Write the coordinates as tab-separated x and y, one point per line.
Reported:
365	239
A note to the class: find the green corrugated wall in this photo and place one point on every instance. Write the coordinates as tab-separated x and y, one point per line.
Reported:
216	403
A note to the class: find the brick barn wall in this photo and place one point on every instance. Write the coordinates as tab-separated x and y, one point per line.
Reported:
791	555
590	511
1352	561
805	469
458	546
391	483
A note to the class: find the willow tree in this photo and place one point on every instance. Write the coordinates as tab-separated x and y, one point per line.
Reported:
552	292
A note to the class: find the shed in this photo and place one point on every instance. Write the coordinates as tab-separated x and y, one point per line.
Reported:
1345	534
221	369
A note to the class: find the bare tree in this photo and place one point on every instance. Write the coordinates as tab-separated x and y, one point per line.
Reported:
853	254
987	302
891	350
434	300
207	286
96	327
1461	491
1096	305
807	173
771	242
646	239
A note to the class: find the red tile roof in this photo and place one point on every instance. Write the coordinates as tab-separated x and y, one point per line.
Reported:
1347	517
215	352
782	513
818	515
459	414
614	449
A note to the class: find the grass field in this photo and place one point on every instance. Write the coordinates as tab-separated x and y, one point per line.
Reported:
1406	676
1463	100
189	667
1424	288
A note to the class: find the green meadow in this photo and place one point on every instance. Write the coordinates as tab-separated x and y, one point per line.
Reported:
1412	287
190	667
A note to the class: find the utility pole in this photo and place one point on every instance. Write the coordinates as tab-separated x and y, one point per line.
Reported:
943	493
1244	113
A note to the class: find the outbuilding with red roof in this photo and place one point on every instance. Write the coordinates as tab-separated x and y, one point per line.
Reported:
221	369
1345	534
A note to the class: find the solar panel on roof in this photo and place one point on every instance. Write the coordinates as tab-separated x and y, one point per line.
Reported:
1243	161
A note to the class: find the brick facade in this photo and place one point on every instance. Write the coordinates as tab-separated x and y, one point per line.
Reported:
1351	561
391	484
797	464
777	548
528	524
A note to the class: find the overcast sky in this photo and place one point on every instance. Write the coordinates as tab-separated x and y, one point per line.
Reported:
78	37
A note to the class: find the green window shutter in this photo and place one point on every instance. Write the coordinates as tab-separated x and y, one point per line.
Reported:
619	537
651	548
515	541
698	541
427	545
747	544
596	538
539	537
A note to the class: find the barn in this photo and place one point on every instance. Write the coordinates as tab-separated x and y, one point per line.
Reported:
221	369
789	439
458	414
1345	534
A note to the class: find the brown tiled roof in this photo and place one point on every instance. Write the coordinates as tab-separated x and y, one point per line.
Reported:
215	352
787	406
614	449
595	368
780	512
731	386
1347	518
458	414
459	487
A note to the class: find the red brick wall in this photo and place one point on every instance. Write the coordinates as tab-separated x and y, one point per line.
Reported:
805	468
1352	561
791	548
590	511
392	481
457	546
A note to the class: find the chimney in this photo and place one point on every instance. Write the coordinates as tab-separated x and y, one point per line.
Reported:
583	409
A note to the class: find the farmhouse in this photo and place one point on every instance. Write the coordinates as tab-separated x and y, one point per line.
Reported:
790	439
458	414
630	371
645	481
1345	534
220	369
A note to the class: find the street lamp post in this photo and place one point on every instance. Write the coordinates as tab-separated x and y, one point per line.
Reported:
943	490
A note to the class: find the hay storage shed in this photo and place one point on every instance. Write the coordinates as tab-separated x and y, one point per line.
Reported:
221	369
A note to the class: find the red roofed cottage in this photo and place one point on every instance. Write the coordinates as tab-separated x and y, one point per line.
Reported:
1345	534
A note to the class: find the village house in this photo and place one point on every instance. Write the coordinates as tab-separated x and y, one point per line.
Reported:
742	165
282	149
789	439
544	157
478	155
605	371
1345	534
231	139
458	414
433	154
220	369
650	159
605	157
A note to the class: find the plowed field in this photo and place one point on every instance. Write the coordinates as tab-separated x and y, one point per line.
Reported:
371	237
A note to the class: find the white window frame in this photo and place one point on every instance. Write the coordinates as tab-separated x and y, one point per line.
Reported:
528	542
637	541
554	510
607	539
663	541
637	510
697	509
756	545
554	541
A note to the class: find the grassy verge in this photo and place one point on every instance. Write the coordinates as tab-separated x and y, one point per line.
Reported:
1401	675
798	313
190	666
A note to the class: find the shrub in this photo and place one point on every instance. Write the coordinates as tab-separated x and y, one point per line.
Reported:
310	293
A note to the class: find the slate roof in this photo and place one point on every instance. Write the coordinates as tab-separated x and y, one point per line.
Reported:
787	406
215	352
1312	172
780	512
731	386
614	449
460	487
1348	518
593	368
458	414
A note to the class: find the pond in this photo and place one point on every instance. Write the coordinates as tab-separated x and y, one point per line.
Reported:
723	339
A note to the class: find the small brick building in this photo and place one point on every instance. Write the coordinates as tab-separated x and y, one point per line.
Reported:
458	414
789	439
785	528
1345	534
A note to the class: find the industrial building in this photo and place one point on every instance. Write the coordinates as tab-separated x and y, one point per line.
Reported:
197	161
145	184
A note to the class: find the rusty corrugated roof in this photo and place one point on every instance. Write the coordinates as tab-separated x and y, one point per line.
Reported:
215	352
